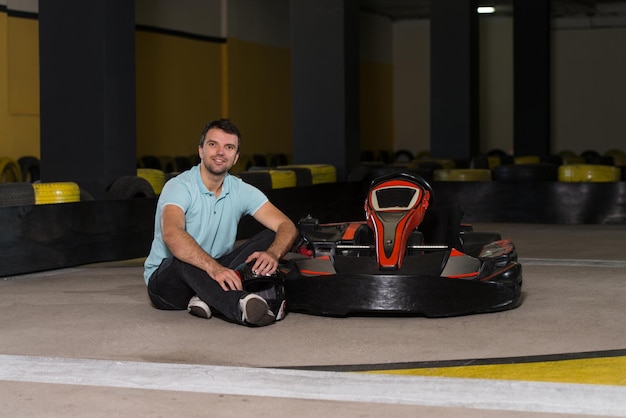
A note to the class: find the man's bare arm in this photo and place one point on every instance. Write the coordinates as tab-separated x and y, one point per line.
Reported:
286	233
185	248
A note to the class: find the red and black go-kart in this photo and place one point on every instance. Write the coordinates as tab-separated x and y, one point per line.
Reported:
383	266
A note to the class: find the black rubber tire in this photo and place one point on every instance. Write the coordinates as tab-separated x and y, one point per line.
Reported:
182	163
261	179
304	177
367	156
9	171
259	160
403	156
85	196
555	159
277	159
16	194
518	173
594	157
151	161
30	169
130	187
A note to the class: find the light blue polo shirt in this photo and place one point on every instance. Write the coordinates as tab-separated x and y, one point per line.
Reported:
211	222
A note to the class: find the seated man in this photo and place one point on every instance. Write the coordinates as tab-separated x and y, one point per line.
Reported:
191	261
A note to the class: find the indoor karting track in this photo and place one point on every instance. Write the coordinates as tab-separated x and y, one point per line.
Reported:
84	341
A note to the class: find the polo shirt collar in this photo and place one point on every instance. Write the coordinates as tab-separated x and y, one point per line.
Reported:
226	186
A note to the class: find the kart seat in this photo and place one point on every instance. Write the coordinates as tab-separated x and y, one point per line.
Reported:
395	206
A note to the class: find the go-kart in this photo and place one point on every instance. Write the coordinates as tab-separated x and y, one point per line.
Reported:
383	266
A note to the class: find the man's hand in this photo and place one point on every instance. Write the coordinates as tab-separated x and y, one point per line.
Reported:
265	263
227	278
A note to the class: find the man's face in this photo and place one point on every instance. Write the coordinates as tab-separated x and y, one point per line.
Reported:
219	152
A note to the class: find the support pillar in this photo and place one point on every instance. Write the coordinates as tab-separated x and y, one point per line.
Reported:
325	82
87	73
454	79
531	69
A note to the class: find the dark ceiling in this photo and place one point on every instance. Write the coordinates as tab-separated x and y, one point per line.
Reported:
420	9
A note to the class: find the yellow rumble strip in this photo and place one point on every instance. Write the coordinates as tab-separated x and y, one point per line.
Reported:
597	371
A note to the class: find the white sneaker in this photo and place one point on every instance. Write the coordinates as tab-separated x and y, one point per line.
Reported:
254	310
199	308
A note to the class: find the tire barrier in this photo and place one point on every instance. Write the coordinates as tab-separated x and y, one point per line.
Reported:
589	173
29	166
277	159
182	163
555	159
462	174
320	173
367	156
244	163
269	179
424	164
570	157
594	157
46	237
9	171
283	178
155	177
258	178
619	158
51	193
403	156
259	160
150	161
167	163
304	177
526	159
130	187
384	156
517	173
441	163
16	194
424	154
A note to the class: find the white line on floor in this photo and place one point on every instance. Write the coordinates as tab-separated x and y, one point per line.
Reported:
572	263
336	386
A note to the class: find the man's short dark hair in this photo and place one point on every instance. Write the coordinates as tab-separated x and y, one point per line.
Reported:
225	125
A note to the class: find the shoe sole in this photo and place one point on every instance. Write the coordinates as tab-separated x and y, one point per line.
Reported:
257	313
199	312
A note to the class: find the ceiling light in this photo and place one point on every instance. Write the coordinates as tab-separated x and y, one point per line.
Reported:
486	9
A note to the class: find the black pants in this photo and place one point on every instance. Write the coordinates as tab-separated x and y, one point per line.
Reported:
174	282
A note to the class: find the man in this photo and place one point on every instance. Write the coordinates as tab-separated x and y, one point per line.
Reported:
191	261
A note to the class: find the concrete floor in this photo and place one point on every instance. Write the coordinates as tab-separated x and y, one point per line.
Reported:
85	341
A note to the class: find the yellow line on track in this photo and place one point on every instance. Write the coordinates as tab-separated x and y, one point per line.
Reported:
597	371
